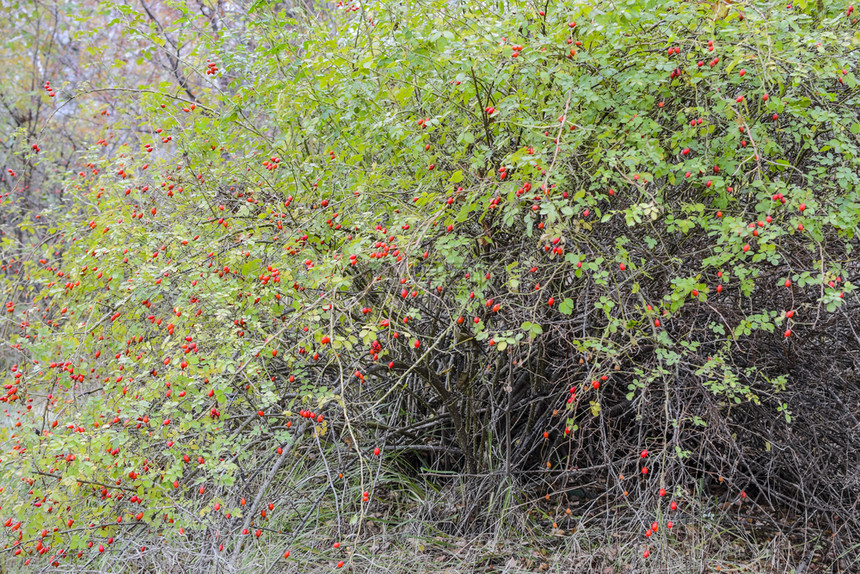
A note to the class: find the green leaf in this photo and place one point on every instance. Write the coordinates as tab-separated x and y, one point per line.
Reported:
533	329
566	306
466	138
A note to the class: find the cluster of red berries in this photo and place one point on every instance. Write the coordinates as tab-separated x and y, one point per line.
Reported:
311	415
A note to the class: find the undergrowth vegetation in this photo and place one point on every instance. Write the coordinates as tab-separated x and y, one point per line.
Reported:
566	286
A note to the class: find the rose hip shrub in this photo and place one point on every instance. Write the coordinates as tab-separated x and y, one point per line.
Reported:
592	245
